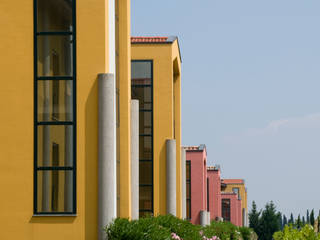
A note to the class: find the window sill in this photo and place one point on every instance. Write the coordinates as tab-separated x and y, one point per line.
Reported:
54	215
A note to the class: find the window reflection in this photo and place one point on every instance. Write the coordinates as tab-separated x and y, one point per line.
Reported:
54	15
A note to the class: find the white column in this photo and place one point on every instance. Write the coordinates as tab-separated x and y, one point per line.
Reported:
184	183
107	208
203	218
208	218
135	159
171	177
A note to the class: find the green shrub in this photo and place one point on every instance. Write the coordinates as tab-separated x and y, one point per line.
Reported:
246	233
289	232
164	227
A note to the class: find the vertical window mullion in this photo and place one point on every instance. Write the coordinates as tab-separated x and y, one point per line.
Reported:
35	142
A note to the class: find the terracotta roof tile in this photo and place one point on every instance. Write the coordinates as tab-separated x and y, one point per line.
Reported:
192	148
149	39
233	181
201	147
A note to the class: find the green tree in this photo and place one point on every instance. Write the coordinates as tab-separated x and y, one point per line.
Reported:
303	221
284	221
280	220
291	220
312	218
269	222
308	217
254	216
298	222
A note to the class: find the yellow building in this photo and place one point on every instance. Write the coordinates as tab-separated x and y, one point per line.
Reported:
65	168
238	186
156	82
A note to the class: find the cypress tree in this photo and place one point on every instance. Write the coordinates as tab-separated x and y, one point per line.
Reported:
303	221
291	220
308	217
280	220
312	218
298	222
284	221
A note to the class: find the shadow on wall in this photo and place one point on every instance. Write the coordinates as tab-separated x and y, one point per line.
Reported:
91	162
162	179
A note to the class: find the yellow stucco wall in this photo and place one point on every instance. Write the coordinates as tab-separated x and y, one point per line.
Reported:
164	89
16	128
124	90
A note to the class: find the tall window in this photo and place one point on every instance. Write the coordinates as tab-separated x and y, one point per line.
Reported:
226	215
142	89
208	195
188	177
54	107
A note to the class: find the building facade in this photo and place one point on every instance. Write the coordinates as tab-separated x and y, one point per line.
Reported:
67	132
214	176
231	208
197	198
156	83
238	186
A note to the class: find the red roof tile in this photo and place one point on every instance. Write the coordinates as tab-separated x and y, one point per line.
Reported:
192	148
233	181
148	39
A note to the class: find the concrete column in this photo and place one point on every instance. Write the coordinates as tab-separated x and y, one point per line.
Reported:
135	159
203	218
208	218
46	117
107	152
171	177
184	183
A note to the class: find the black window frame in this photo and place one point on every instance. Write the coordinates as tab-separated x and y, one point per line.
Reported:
148	211
55	123
188	199
226	210
208	197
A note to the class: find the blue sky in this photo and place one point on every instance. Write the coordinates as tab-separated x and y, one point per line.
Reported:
250	89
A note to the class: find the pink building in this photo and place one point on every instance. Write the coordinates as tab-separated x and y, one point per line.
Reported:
231	208
196	157
213	174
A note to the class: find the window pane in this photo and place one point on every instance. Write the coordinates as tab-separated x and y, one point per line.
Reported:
141	70
54	56
145	198
226	209
145	122
55	145
188	171
54	15
188	209
145	173
188	190
145	148
55	191
55	100
143	94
